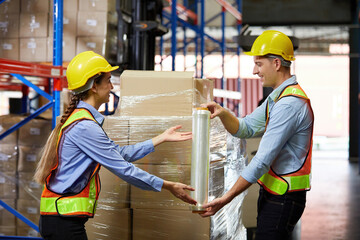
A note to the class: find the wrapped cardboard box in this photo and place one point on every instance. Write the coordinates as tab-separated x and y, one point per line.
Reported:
8	185
7	219
109	224
95	23
97	5
9	48
35	6
164	199
33	49
144	128
150	93
6	122
7	231
34	25
69	23
35	133
115	192
9	25
28	158
8	157
27	187
29	209
117	129
169	224
69	48
10	6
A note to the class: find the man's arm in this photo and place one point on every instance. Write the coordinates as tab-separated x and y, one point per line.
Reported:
214	206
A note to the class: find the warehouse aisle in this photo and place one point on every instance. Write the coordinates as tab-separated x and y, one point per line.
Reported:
332	211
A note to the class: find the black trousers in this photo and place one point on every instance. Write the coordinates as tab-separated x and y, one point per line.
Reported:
278	215
60	228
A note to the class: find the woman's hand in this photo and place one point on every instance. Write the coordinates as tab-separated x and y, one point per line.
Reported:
171	135
179	191
212	207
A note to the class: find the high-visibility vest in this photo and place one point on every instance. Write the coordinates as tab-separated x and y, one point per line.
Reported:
82	203
300	179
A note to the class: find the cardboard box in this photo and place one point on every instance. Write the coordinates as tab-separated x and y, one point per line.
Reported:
97	5
35	6
29	209
155	224
6	122
34	25
9	48
28	188
109	224
35	133
164	199
28	158
10	6
144	128
95	23
26	231
96	44
8	185
150	93
117	129
8	157
7	231
6	218
115	192
9	25
69	48
68	5
69	24
33	49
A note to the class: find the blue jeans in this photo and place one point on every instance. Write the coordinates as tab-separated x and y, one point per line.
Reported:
278	215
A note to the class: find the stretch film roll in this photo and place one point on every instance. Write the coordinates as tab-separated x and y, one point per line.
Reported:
200	157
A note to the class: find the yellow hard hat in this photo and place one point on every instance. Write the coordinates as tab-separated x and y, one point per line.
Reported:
273	42
84	66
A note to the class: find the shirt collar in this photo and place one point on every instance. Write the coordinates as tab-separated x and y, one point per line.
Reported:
98	116
275	94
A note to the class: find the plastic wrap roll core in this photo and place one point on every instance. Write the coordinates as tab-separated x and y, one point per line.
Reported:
200	157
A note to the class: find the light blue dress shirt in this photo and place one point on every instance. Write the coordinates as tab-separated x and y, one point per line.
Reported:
286	142
84	144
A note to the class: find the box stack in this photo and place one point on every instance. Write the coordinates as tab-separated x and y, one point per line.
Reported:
9	29
96	26
19	153
26	29
151	102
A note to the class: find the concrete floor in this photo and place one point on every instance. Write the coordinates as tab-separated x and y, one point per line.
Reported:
332	211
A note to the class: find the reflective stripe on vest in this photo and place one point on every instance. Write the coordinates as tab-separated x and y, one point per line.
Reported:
296	181
78	204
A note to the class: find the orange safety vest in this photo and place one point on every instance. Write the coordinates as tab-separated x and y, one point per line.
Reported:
76	204
299	180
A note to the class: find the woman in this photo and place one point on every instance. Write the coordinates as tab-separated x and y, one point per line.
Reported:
77	148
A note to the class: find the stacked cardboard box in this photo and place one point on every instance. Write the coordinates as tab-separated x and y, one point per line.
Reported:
19	153
9	29
26	29
150	103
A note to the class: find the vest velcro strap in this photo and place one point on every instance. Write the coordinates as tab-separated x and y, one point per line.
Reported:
298	182
276	185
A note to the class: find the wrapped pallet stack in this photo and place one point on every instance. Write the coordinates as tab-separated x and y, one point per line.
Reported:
151	102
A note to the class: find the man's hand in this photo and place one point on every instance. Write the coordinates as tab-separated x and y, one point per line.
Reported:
179	191
212	207
214	108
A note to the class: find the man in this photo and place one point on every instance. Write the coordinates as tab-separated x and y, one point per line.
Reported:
282	164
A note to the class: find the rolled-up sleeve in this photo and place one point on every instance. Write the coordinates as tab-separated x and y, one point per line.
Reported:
93	141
